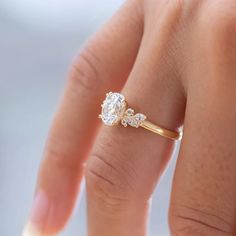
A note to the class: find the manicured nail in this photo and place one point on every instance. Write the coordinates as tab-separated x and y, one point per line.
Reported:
30	230
38	215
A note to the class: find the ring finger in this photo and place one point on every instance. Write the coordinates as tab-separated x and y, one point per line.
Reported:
125	163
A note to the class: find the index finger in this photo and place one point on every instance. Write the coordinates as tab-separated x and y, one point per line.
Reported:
102	65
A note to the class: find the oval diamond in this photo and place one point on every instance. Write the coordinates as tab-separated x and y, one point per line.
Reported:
113	108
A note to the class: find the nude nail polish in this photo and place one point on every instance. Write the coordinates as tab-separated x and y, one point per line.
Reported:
38	215
30	230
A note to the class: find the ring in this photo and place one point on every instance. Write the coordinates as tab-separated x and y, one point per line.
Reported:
115	110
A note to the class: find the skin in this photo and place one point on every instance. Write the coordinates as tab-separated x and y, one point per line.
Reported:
175	62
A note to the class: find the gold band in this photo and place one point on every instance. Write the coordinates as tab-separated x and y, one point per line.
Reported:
115	110
161	131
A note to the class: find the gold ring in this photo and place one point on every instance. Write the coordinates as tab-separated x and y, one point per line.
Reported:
115	110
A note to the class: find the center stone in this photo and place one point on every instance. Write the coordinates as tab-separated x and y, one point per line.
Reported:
113	108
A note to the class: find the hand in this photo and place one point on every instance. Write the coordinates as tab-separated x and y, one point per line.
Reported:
175	62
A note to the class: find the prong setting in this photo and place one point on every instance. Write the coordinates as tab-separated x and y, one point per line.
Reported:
113	108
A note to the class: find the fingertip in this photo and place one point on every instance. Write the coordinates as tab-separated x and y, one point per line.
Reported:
30	230
38	215
41	218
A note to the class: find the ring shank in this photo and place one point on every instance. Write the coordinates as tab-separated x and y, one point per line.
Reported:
161	131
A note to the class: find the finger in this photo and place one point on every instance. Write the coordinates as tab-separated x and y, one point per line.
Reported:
104	63
125	163
204	195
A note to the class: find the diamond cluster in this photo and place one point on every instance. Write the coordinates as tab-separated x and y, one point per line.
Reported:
134	120
114	110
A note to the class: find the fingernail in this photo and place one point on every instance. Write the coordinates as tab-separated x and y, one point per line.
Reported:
30	230
38	215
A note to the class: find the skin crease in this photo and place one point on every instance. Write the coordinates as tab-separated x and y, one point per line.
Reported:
174	61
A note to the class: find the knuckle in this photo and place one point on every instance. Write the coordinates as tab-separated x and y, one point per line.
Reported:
84	70
216	27
186	220
172	11
110	176
58	159
219	18
107	180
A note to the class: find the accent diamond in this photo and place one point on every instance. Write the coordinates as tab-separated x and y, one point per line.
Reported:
134	120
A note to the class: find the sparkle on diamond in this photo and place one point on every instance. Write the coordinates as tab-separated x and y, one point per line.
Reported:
113	108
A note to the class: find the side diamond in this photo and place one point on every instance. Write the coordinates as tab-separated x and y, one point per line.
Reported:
131	119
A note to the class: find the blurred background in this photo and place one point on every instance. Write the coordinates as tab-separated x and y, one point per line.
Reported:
38	40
